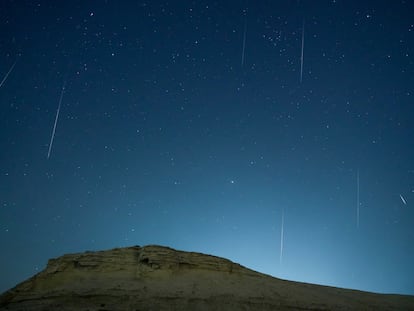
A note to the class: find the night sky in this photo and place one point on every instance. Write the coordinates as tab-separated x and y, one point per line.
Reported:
199	125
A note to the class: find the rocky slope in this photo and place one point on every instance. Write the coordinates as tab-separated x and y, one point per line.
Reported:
161	278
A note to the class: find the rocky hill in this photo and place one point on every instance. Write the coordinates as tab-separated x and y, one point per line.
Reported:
161	278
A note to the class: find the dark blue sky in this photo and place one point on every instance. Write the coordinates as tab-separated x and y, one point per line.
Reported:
185	123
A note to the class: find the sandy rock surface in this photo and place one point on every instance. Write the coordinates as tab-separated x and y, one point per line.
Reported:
160	278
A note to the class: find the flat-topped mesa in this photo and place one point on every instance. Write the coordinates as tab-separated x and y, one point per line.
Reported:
144	259
161	278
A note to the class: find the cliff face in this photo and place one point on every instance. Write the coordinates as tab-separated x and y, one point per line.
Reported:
161	278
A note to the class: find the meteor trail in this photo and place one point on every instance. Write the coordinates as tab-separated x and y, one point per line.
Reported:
403	200
301	54
281	238
7	74
244	42
56	119
357	207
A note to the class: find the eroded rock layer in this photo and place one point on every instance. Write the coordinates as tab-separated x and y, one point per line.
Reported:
161	278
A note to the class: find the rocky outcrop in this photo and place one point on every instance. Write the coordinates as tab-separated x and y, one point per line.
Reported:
161	278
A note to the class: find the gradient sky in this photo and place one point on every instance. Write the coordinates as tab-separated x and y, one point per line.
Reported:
186	124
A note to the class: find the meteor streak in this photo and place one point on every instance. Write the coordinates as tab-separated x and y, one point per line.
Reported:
244	42
357	207
7	74
301	54
281	238
56	119
403	200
